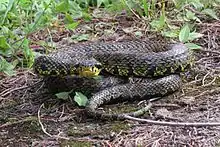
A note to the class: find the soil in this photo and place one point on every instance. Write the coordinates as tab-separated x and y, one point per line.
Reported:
32	116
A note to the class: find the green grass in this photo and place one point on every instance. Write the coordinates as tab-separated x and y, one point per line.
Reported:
21	18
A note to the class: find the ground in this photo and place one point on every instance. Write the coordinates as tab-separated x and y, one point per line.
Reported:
30	116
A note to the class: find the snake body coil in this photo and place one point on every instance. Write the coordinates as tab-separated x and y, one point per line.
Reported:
138	59
134	58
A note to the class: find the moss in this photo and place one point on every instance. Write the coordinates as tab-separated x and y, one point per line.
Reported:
28	125
97	130
118	126
76	144
103	129
78	132
122	108
8	104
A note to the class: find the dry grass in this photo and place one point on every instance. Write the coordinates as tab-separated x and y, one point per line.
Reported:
22	97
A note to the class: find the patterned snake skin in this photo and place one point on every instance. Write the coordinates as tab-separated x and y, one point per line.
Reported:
132	61
133	58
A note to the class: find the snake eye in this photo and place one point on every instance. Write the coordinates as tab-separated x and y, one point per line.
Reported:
98	66
77	66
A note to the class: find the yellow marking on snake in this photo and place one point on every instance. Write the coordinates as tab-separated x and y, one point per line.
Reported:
123	71
88	71
142	71
160	70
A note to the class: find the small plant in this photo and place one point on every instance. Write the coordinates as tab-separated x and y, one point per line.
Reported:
20	18
186	36
188	13
79	98
6	67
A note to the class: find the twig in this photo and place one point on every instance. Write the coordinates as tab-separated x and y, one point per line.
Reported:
209	24
166	105
131	9
203	79
18	122
12	90
210	51
44	129
207	92
177	124
42	126
121	116
207	58
141	111
17	41
210	83
194	10
192	82
6	92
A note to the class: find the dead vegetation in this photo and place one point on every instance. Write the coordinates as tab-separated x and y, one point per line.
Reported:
32	116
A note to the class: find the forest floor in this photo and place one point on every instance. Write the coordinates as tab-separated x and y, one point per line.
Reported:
30	116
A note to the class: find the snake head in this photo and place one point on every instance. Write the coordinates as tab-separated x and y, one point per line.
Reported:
88	68
48	66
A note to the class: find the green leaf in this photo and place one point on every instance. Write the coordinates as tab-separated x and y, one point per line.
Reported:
172	27
138	33
146	7
77	14
190	15
197	4
25	4
193	46
171	33
162	20
211	13
28	53
63	6
63	95
194	35
178	3
86	16
68	18
99	2
10	72
159	24
10	4
82	37
80	99
106	2
7	67
3	44
184	34
72	26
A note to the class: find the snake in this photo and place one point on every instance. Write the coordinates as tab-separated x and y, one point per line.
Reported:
130	70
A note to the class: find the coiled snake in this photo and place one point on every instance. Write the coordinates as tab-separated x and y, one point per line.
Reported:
126	68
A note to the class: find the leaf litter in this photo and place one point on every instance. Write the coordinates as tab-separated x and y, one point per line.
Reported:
30	115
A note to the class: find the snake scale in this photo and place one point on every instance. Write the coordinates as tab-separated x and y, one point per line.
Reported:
130	70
